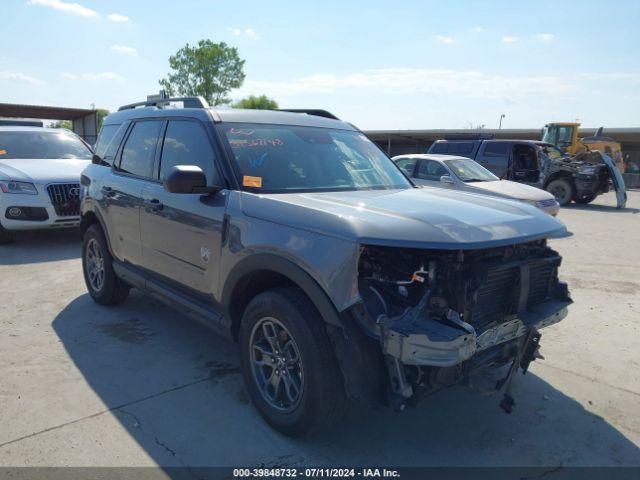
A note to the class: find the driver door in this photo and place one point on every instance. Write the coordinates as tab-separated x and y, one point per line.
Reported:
181	233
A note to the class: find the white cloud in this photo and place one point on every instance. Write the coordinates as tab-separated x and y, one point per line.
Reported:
125	50
74	8
117	17
249	32
478	29
93	76
468	83
19	77
545	37
444	39
509	39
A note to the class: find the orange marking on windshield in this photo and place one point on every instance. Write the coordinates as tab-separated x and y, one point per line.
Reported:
249	181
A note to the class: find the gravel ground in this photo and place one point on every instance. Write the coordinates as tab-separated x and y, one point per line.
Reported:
140	384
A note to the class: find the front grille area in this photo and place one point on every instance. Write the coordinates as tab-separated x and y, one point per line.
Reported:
65	198
547	203
498	296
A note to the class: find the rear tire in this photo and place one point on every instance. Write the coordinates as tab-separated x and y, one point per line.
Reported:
305	396
562	190
6	236
97	265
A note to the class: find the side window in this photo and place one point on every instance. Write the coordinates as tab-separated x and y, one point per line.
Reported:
407	165
430	170
461	148
111	148
496	149
139	150
186	143
104	138
439	148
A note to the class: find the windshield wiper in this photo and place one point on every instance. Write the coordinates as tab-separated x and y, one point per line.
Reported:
475	180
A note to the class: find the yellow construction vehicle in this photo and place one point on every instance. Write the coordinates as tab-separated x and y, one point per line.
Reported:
564	135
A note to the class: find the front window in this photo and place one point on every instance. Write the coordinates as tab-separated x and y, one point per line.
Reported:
559	135
470	171
286	158
42	144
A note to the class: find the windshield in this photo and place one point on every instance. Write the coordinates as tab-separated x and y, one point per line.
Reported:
470	171
42	144
285	158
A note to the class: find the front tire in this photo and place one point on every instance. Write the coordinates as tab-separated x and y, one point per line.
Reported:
288	363
97	264
6	236
562	190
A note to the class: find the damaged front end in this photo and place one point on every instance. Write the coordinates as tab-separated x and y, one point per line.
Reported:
442	315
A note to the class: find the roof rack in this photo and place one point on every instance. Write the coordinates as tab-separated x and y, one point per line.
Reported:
310	111
162	99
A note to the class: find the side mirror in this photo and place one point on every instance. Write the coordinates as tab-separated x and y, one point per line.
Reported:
187	179
96	160
446	180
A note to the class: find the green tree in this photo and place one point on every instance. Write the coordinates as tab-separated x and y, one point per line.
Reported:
101	113
63	124
209	69
258	103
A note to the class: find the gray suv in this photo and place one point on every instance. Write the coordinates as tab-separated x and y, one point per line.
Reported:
295	236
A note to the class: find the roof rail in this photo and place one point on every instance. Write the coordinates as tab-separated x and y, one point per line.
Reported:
310	111
162	99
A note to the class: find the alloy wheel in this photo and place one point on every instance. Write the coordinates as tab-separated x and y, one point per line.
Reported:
276	364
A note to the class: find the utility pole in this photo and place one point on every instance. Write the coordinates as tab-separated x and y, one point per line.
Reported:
500	124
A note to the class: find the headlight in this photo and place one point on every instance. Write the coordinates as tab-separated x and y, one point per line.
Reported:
587	169
9	186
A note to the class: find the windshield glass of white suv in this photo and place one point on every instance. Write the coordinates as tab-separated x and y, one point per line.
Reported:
470	171
36	144
285	158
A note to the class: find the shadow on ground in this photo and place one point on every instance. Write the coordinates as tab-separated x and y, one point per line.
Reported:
176	389
41	246
601	208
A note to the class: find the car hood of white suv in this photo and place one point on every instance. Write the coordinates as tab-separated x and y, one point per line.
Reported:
507	188
42	170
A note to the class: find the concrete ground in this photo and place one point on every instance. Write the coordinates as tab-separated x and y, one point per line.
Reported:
140	384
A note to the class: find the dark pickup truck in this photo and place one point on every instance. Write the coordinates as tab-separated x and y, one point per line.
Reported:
580	179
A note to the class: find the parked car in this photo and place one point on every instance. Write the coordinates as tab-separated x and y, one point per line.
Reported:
297	237
464	174
39	179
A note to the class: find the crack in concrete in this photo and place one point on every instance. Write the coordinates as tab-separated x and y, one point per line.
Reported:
586	377
102	412
545	473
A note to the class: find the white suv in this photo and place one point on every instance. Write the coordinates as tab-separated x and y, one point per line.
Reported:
39	179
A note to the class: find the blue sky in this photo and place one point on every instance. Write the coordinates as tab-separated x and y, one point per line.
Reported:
380	65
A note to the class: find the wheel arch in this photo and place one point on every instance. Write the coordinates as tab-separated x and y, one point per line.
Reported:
260	272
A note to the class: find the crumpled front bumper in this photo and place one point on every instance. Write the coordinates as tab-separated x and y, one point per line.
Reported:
428	342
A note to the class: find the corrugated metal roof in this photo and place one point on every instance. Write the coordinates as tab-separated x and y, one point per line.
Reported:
13	110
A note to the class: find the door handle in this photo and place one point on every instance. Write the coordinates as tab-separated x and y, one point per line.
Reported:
153	204
108	192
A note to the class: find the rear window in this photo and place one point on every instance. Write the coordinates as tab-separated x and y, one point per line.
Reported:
42	144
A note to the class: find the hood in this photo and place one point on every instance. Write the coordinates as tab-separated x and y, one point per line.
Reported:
507	188
42	170
417	217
